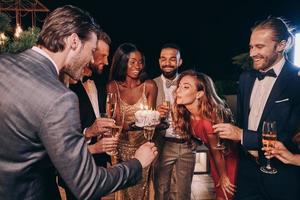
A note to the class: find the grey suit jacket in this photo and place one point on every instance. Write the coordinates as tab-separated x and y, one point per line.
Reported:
40	130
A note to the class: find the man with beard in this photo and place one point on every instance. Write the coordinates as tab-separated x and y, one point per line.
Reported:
39	117
270	92
91	92
175	152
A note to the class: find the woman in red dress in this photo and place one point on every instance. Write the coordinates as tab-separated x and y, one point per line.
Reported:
196	100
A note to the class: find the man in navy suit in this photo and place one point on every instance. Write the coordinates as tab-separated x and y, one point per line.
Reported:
270	92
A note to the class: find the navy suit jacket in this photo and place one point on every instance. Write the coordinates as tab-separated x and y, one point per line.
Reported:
282	106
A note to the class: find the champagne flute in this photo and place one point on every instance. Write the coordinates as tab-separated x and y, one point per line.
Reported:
149	132
116	130
218	117
111	104
269	136
166	103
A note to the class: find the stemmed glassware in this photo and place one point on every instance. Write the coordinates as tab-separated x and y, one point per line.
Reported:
111	107
218	117
111	104
149	132
269	136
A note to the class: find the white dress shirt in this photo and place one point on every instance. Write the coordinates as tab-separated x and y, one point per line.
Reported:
260	94
91	90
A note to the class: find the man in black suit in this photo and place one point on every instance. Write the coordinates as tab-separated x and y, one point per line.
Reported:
91	92
268	93
39	118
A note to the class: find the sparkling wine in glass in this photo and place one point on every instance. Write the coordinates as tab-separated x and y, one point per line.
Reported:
149	132
218	117
111	104
167	104
116	130
269	136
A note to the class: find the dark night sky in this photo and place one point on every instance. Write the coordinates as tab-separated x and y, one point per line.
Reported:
209	33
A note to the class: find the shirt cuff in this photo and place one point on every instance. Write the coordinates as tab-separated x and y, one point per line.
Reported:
88	140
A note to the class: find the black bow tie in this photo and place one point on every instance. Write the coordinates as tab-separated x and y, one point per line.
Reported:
262	75
170	83
85	78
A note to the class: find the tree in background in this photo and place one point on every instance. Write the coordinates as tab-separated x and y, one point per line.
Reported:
243	60
11	44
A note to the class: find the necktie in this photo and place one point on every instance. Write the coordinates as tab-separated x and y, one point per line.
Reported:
169	83
262	75
85	78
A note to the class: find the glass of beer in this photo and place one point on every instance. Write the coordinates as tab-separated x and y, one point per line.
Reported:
269	136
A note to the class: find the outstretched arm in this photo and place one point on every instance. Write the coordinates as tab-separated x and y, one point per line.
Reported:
61	136
219	160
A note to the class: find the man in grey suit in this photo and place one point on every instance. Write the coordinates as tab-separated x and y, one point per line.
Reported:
39	117
176	152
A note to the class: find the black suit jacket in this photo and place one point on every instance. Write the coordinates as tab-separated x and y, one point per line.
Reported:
87	115
282	106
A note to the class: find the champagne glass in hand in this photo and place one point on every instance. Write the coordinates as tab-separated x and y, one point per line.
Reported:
218	118
117	129
269	136
149	132
111	104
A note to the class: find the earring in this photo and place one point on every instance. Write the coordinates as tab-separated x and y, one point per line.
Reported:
198	101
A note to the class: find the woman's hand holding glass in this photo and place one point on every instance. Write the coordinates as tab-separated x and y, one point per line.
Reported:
282	153
269	136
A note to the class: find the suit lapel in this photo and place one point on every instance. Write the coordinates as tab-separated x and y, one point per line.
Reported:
101	98
84	100
250	79
279	86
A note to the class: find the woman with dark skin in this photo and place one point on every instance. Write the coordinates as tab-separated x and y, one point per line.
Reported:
133	92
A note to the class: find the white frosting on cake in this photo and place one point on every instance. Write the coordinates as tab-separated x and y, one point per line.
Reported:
146	118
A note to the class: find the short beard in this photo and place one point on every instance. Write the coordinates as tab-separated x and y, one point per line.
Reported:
72	73
170	75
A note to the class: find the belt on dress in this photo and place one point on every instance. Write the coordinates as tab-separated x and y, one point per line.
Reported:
175	140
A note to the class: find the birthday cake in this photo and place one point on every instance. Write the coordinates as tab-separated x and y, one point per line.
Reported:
146	118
